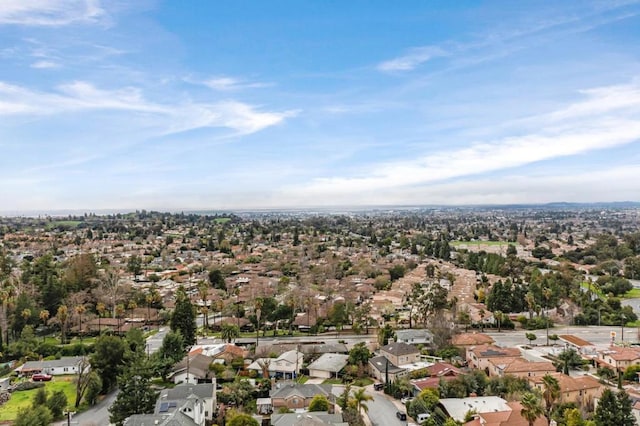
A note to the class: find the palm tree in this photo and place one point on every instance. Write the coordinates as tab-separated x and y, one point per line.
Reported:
551	393
203	292
80	309
63	316
531	407
100	308
498	316
119	314
361	397
44	317
229	332
258	311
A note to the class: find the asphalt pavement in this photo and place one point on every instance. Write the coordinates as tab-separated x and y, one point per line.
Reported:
382	411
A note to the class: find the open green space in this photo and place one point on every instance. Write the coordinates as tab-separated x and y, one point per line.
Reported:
481	243
222	219
63	223
634	293
23	399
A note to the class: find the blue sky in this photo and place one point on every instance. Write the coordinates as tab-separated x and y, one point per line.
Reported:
273	104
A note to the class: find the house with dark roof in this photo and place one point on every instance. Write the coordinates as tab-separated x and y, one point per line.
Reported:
184	405
382	369
54	367
194	369
297	397
400	353
320	418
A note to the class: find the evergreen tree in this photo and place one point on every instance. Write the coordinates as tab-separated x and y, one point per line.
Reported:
136	395
614	409
184	317
34	416
56	403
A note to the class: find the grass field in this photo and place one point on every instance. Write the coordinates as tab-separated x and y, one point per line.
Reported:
23	399
634	293
222	219
65	223
481	243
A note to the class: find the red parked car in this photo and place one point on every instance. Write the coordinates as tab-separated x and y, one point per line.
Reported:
41	377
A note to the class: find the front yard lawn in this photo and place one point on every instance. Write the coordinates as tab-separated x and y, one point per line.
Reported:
23	399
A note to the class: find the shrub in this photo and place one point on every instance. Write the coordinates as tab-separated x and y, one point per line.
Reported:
27	386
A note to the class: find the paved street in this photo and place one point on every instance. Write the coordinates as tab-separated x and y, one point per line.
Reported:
382	411
599	336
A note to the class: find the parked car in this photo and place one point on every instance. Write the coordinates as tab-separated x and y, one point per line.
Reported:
378	386
41	377
402	416
406	399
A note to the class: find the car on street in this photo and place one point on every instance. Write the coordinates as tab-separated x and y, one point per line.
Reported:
378	386
406	399
41	377
402	416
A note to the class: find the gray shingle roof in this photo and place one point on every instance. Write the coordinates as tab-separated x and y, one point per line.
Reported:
330	362
306	390
399	348
380	364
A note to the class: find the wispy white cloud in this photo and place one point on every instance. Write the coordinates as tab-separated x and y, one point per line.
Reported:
45	65
81	96
607	118
223	84
413	58
50	12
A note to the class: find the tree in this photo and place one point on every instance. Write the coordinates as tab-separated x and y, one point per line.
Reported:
108	359
359	354
134	265
40	398
216	279
56	403
319	403
136	395
93	388
339	314
171	352
34	416
531	407
229	332
385	334
531	337
570	359
550	394
83	380
361	397
183	318
241	419
614	409
62	317
80	309
44	317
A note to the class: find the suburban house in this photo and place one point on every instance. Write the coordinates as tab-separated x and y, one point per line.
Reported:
466	340
583	390
54	367
328	365
440	370
519	367
414	337
185	405
400	353
308	419
512	416
479	356
381	368
618	358
193	369
459	407
286	366
297	397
